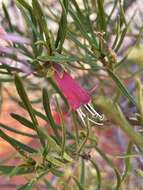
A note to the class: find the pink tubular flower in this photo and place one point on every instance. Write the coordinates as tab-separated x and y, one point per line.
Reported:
75	94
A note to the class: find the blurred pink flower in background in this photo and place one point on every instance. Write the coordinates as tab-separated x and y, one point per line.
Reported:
13	37
5	48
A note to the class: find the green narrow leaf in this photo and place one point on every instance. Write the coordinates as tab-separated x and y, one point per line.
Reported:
37	113
62	26
127	161
22	93
1	96
49	185
89	24
120	63
31	23
7	17
38	13
98	175
42	116
114	111
26	51
16	131
52	144
6	170
101	16
122	15
63	146
139	172
16	144
46	105
112	11
83	23
56	172
79	185
123	34
81	26
135	137
110	163
28	167
81	146
121	86
76	128
139	90
59	58
82	172
54	161
117	32
25	5
23	120
63	129
27	186
73	37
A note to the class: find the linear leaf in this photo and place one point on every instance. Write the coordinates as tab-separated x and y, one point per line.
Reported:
98	174
16	144
6	170
79	185
25	5
27	186
22	93
111	164
58	58
121	86
62	26
101	16
82	172
23	120
127	161
38	13
16	131
49	185
73	37
114	111
46	105
7	16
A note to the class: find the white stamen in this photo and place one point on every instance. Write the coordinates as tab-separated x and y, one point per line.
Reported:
90	111
94	112
95	122
81	115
